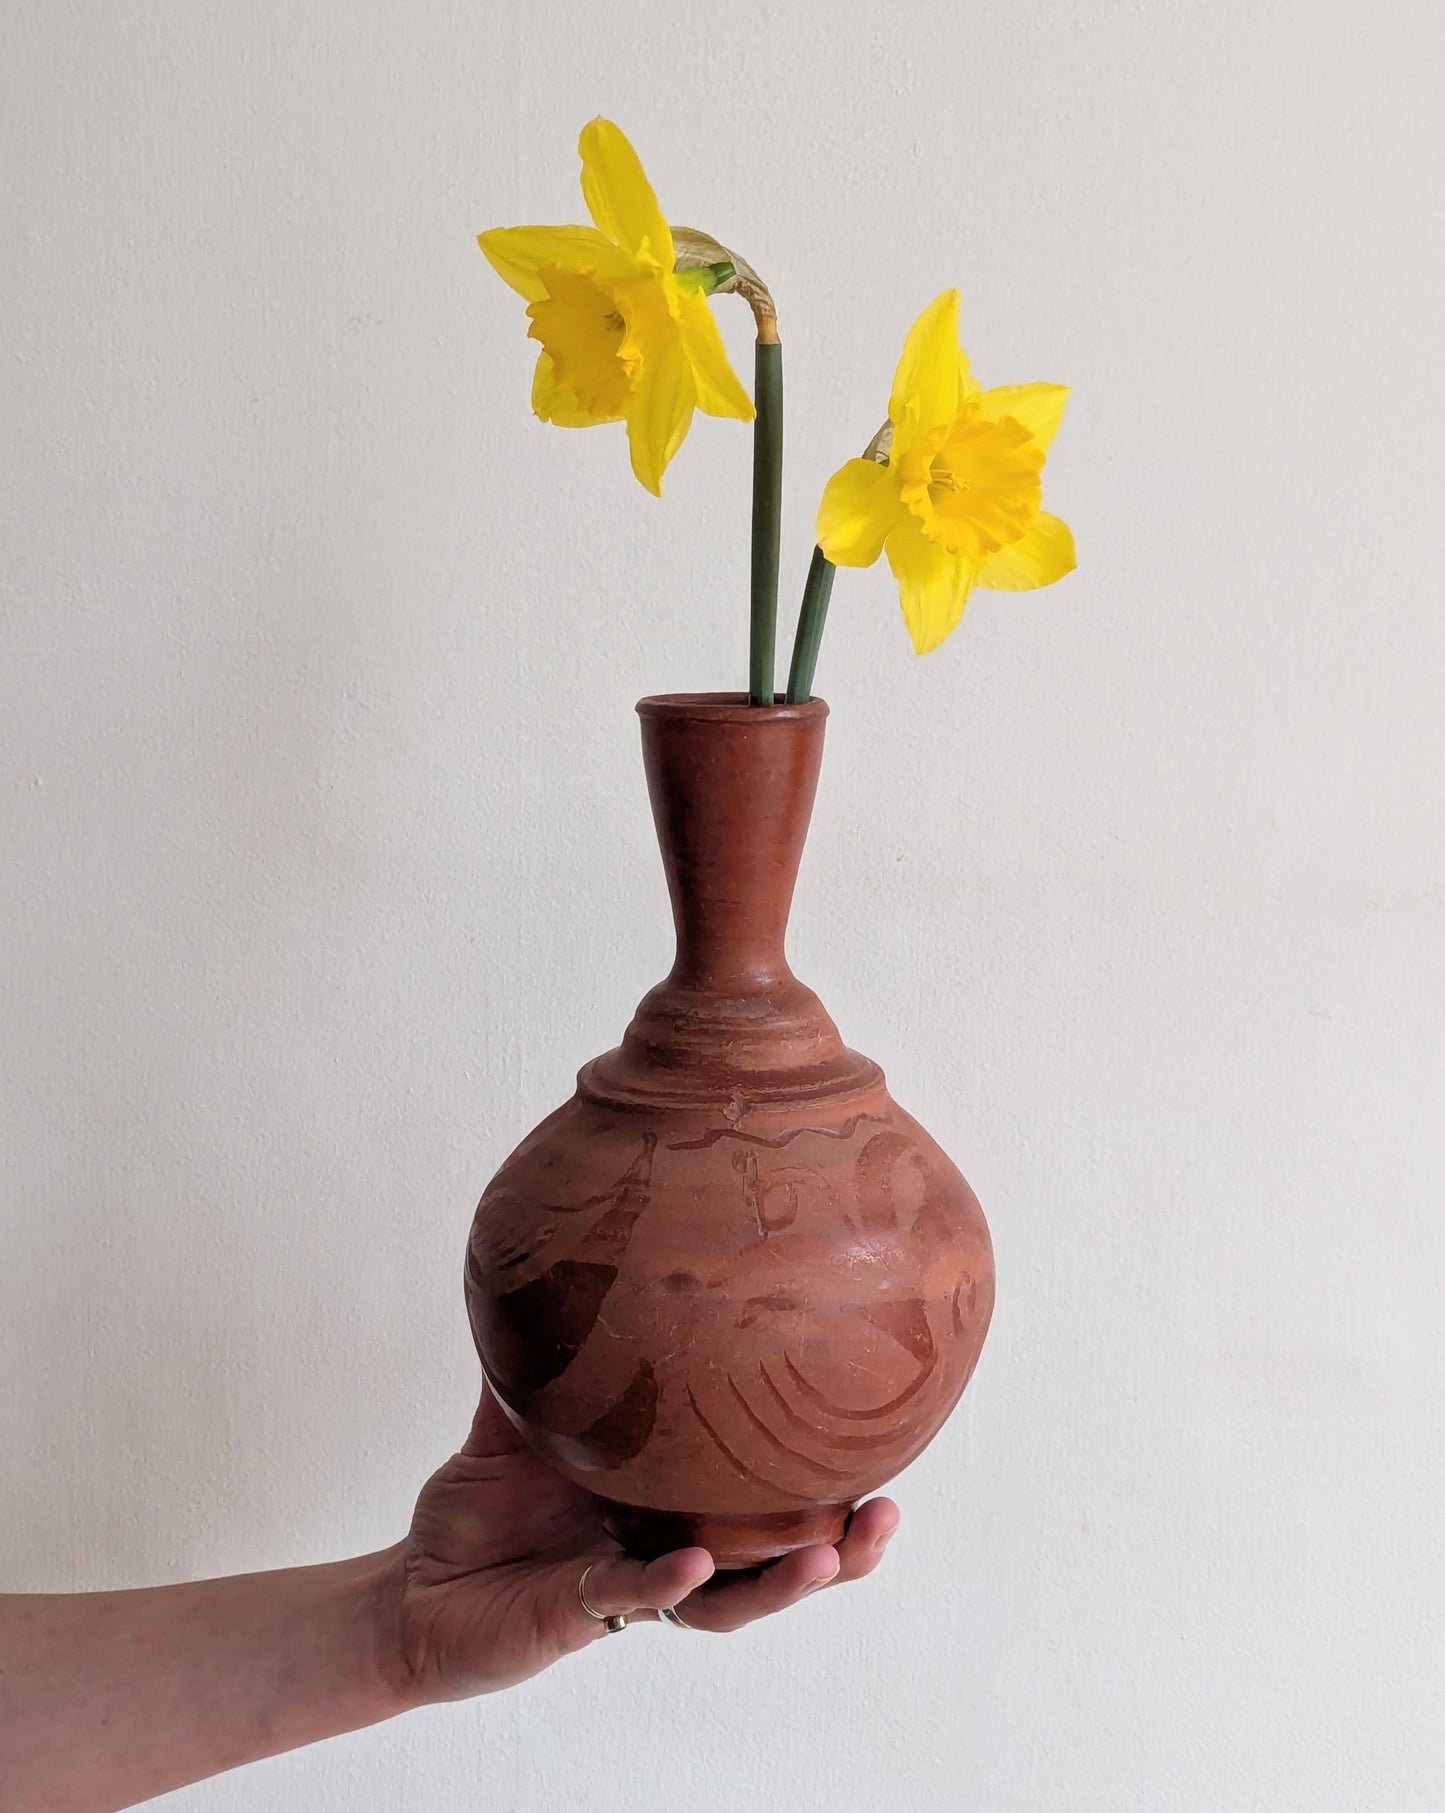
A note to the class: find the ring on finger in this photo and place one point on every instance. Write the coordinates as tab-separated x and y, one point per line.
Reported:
669	1616
611	1621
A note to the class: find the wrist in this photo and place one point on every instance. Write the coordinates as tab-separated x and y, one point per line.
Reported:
377	1596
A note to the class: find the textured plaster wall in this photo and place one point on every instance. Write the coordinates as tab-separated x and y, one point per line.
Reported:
326	856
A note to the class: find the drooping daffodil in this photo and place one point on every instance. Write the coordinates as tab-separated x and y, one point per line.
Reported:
951	490
625	336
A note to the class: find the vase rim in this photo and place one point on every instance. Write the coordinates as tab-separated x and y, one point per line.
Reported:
728	708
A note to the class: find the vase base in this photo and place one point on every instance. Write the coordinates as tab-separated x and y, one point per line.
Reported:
733	1541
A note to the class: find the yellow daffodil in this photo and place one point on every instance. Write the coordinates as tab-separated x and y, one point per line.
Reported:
625	337
954	495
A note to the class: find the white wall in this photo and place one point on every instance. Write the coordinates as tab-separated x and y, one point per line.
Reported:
327	858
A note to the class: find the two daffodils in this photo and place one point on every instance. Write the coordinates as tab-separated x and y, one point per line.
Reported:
950	489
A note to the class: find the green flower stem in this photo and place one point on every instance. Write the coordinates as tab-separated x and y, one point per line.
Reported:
811	619
767	519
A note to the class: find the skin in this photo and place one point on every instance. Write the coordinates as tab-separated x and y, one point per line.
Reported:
109	1699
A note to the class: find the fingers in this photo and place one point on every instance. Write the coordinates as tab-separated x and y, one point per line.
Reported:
618	1587
730	1603
686	1581
869	1532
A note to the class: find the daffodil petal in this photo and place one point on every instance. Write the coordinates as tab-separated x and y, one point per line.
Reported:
618	195
660	413
517	254
1042	554
719	390
1040	407
551	403
860	505
933	380
933	585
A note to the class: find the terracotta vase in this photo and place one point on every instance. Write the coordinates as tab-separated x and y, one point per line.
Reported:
730	1286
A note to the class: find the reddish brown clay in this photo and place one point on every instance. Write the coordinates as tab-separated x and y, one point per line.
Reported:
730	1286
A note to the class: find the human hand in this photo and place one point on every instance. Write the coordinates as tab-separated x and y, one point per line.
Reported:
485	1585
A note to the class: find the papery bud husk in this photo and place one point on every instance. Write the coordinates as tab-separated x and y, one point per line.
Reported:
692	250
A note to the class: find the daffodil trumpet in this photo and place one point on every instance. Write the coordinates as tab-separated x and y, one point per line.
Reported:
950	489
620	312
624	329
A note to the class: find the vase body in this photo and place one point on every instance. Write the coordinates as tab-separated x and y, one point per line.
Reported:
730	1286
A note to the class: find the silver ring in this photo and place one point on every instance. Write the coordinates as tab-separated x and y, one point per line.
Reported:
669	1616
613	1622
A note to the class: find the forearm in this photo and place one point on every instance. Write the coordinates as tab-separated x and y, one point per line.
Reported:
107	1699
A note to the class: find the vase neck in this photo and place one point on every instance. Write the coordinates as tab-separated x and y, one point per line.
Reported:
732	792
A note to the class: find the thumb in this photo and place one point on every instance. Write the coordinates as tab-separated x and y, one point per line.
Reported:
491	1432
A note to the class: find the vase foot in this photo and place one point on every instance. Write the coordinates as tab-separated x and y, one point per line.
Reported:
732	1541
